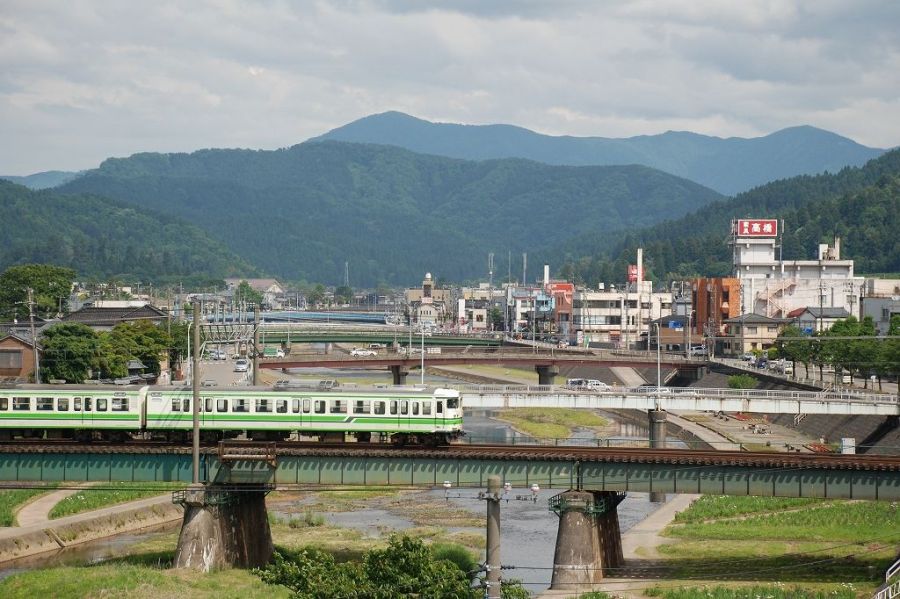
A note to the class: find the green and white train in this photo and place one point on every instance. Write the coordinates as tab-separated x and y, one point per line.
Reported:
98	412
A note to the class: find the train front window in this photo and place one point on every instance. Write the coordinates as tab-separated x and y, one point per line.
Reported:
21	403
62	404
44	404
452	403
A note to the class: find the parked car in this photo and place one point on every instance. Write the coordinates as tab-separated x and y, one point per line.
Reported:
748	357
699	350
360	352
218	354
586	385
376	346
241	365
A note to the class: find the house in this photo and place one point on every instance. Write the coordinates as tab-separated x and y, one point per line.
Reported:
673	333
812	319
749	332
104	319
17	357
270	289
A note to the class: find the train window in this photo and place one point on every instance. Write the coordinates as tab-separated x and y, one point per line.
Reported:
404	407
87	404
186	405
281	406
209	405
426	408
338	407
263	405
320	406
62	404
306	405
240	405
76	404
415	406
101	404
295	406
440	407
362	407
176	405
379	407
221	405
394	407
4	403
21	403
44	404
452	403
120	404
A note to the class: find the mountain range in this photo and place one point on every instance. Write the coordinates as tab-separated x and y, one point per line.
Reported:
43	180
729	166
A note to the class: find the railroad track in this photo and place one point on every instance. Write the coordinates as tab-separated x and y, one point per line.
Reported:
679	457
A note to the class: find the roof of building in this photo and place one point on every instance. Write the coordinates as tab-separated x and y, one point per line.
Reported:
22	340
754	319
817	312
255	284
676	318
111	316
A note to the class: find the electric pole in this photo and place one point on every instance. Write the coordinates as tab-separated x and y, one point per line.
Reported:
34	349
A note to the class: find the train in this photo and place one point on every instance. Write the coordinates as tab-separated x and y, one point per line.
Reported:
85	413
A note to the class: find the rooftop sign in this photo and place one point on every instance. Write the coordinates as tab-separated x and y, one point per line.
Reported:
756	228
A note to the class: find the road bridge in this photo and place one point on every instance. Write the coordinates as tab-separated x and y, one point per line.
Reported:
843	402
545	362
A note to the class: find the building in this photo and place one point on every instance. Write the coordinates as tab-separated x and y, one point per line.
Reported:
427	304
16	357
617	317
104	319
814	319
880	300
714	301
672	334
749	332
270	289
774	287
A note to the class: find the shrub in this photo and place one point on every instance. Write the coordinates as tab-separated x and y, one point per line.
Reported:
741	381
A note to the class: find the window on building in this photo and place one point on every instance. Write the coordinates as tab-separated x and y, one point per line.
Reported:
11	359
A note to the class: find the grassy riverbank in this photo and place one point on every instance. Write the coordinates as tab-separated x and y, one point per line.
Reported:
13	499
107	494
551	423
839	548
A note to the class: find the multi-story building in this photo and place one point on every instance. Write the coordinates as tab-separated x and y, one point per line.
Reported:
749	332
427	305
618	316
713	301
880	300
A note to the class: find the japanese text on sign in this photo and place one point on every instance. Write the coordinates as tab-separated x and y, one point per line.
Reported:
757	228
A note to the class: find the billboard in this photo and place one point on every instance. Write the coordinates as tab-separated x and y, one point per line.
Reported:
756	227
632	273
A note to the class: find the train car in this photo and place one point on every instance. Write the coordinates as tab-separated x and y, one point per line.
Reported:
70	412
264	413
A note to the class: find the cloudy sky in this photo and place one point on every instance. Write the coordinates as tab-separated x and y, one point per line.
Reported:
82	80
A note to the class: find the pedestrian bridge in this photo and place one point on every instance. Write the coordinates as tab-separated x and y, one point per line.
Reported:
846	402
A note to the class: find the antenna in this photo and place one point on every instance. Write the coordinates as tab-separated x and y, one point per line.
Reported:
346	274
491	269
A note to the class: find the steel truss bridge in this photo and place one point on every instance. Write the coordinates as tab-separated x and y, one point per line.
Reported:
605	469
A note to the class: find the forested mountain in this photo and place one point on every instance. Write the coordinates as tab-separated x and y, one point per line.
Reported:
728	166
42	180
862	205
392	214
102	238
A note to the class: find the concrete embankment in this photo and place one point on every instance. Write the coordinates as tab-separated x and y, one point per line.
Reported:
23	541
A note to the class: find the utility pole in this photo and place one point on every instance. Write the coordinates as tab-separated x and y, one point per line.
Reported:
195	386
34	349
524	268
492	548
255	346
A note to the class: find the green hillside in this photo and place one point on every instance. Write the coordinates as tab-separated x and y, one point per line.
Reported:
102	238
42	180
727	165
862	205
393	215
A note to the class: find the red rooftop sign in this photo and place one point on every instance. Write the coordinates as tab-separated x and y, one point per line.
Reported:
757	228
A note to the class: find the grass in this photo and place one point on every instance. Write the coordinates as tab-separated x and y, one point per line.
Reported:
12	499
752	592
826	547
551	423
109	494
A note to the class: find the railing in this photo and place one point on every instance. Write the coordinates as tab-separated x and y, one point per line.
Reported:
892	591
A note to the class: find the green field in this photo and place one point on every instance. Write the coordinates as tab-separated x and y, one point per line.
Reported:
551	423
109	494
838	548
12	499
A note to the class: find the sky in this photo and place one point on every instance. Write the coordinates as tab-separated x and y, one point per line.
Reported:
83	80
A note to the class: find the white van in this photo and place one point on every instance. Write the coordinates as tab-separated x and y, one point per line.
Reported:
586	385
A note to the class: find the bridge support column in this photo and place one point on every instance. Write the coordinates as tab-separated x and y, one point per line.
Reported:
399	373
546	374
223	529
588	539
657	427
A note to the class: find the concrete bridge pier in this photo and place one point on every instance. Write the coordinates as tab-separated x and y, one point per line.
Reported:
546	374
657	427
588	539
223	528
399	373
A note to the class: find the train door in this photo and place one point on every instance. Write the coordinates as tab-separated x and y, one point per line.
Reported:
439	414
87	412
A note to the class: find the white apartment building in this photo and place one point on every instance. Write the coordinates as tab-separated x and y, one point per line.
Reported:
618	316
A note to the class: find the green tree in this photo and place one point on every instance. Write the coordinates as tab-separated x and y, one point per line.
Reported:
141	340
343	294
70	351
796	351
51	285
316	296
245	294
741	381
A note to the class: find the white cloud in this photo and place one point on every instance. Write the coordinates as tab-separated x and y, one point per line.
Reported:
87	79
